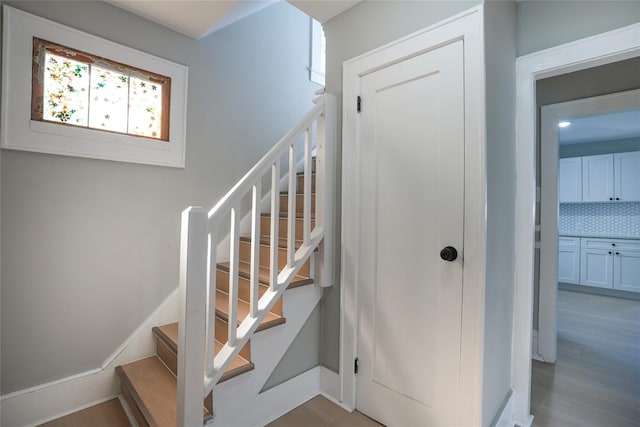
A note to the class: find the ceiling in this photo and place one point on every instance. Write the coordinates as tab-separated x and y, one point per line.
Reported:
605	127
199	18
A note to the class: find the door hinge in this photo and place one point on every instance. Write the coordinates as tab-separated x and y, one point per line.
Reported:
359	105
355	365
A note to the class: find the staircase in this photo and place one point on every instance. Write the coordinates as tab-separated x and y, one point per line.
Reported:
236	262
149	386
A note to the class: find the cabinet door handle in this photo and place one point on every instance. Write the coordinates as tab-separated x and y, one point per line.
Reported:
617	198
613	244
617	253
610	198
610	252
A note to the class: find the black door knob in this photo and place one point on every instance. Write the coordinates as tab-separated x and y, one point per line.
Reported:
449	253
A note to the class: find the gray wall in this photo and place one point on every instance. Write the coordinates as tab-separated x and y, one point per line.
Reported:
600	147
544	24
615	77
362	28
500	53
90	247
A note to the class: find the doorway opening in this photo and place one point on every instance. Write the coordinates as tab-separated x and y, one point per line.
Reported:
588	328
581	56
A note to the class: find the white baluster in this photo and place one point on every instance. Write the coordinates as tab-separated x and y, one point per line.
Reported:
275	225
291	216
210	333
308	168
234	244
255	249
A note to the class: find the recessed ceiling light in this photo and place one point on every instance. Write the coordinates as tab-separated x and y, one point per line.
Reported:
564	124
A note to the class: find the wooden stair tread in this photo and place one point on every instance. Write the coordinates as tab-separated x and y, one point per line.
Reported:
244	269
239	365
266	241
284	215
222	310
169	334
154	390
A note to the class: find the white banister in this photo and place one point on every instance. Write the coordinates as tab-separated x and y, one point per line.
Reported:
256	172
193	278
199	366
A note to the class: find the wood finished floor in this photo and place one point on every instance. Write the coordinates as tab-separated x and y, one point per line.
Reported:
596	379
107	414
320	412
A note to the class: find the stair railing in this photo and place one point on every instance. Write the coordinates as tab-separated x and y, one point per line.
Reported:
199	367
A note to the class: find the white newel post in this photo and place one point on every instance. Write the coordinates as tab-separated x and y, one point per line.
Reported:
193	280
325	194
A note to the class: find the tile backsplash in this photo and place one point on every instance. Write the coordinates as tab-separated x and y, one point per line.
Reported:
616	219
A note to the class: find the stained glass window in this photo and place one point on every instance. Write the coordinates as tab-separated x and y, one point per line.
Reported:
80	89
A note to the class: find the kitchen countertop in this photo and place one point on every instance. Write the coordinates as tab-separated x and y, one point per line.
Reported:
596	235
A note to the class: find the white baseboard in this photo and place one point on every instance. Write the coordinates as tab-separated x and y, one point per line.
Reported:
534	347
46	402
330	387
505	418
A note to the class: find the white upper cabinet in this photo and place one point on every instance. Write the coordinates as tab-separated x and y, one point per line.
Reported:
597	178
627	176
570	180
611	177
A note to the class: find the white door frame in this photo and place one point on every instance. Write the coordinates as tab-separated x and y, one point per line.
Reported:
466	26
601	49
550	115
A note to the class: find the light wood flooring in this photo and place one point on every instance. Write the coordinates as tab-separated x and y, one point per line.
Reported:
320	412
107	414
596	379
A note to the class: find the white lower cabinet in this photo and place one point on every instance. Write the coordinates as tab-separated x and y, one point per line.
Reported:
626	270
569	260
613	264
597	268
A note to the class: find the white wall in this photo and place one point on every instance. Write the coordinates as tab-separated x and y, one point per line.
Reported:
90	247
546	23
364	27
500	53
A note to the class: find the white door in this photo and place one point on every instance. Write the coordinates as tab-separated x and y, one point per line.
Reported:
570	180
627	176
597	178
412	181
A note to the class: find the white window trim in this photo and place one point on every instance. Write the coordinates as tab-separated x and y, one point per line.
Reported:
20	133
316	72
